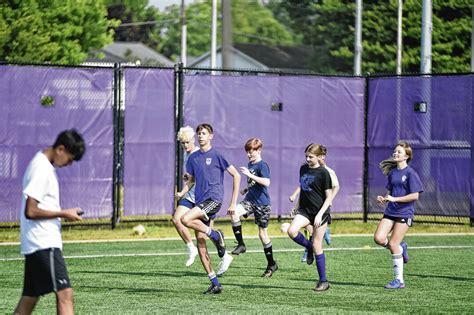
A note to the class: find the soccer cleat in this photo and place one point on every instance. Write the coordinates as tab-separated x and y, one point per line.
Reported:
327	236
220	244
310	258
404	246
270	270
239	249
224	264
213	289
395	284
193	252
321	286
305	256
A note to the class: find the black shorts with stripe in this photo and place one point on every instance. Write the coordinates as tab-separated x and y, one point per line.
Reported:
311	215
45	272
209	209
407	221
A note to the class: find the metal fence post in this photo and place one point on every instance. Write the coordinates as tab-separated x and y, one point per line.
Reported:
117	176
365	194
179	82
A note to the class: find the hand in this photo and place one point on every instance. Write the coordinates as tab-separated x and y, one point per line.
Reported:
317	220
243	191
381	199
72	214
178	195
292	198
245	171
231	210
293	212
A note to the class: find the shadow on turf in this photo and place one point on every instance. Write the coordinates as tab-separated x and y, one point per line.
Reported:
442	277
150	274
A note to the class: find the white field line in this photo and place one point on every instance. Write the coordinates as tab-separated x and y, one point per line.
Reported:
286	250
247	237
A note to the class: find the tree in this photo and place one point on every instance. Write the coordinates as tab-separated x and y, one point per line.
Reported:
252	23
328	26
55	31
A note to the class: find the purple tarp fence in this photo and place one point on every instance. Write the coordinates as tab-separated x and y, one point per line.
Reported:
149	172
441	138
82	100
325	110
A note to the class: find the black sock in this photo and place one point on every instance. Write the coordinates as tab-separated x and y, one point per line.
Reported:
238	234
267	248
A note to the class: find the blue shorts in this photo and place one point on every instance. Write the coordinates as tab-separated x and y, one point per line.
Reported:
186	203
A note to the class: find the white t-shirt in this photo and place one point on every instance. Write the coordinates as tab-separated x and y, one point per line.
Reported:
40	182
332	174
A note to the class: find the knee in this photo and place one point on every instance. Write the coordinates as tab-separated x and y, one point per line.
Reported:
176	221
379	239
292	232
65	295
185	221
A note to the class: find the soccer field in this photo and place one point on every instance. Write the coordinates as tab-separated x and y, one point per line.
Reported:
150	276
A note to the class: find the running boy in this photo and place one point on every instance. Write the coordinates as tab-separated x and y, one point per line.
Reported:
186	139
205	168
40	225
315	199
403	189
257	202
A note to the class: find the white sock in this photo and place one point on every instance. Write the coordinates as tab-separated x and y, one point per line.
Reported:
190	245
397	260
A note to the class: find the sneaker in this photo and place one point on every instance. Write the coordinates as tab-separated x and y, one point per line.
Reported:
224	264
327	236
193	252
305	256
404	246
213	289
321	286
239	249
270	270
220	244
310	258
395	284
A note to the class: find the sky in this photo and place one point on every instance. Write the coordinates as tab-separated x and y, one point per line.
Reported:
162	4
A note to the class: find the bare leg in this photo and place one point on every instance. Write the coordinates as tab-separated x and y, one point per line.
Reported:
180	228
203	253
26	305
383	229
65	302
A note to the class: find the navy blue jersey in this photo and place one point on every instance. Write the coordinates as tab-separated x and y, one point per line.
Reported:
258	194
207	168
313	182
401	183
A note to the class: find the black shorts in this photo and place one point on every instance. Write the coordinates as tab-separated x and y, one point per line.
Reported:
45	272
408	221
209	208
261	213
310	215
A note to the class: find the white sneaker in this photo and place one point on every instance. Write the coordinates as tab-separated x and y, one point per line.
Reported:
224	264
193	252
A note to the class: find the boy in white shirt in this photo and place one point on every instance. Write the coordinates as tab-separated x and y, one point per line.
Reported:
40	225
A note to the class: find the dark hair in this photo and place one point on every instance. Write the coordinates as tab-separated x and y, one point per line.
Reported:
206	126
253	144
72	142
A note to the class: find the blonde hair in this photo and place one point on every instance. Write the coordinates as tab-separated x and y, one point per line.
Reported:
185	133
387	165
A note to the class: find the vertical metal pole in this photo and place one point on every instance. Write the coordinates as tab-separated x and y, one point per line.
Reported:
365	193
184	32
179	107
426	30
399	37
472	38
358	39
227	61
117	132
214	34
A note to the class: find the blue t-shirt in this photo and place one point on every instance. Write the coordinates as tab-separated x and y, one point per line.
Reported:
207	168
258	194
401	183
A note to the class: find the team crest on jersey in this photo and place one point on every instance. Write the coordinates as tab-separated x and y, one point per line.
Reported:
208	161
404	178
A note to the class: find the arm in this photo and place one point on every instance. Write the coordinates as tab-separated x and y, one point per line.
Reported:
259	180
32	212
295	194
188	184
335	190
235	188
407	198
324	207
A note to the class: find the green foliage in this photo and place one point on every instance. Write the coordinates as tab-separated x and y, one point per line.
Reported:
329	27
252	23
55	31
